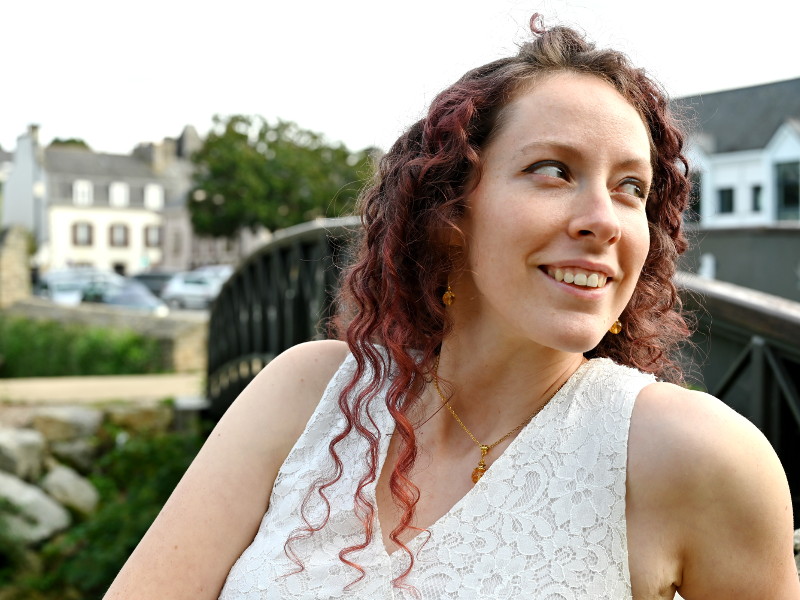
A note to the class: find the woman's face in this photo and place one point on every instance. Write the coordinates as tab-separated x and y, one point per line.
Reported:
556	232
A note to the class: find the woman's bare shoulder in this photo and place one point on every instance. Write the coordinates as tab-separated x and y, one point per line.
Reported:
215	510
721	492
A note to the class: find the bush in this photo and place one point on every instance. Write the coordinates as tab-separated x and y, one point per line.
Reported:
30	348
134	479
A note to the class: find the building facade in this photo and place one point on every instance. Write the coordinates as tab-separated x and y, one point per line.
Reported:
744	150
126	213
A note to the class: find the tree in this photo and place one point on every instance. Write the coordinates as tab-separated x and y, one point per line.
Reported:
69	143
250	173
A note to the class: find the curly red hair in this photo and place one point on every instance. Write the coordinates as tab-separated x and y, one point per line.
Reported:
391	295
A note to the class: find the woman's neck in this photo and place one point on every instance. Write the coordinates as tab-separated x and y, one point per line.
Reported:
501	384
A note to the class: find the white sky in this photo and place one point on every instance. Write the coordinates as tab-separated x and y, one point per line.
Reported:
117	72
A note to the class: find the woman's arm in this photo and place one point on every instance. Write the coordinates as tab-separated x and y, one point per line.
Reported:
215	510
726	500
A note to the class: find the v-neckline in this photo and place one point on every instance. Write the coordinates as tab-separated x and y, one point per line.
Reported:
389	425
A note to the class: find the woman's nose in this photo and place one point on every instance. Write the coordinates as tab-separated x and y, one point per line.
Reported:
595	217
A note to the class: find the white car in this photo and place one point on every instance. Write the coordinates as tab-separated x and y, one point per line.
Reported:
66	286
191	289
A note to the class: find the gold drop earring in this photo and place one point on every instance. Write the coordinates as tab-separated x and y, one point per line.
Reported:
616	327
448	297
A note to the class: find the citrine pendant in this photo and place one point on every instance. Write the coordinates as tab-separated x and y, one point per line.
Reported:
478	472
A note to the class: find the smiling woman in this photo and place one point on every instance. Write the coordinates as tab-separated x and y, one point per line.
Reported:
492	424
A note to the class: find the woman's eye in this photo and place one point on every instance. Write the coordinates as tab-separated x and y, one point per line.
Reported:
633	187
549	169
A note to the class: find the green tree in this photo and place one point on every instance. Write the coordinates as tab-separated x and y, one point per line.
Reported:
70	142
252	173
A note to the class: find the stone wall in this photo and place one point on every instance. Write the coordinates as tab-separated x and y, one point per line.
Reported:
15	276
46	453
182	338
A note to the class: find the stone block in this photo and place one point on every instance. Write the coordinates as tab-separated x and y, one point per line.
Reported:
70	489
59	424
152	417
22	452
41	516
79	453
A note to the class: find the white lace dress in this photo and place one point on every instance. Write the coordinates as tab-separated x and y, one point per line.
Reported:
546	522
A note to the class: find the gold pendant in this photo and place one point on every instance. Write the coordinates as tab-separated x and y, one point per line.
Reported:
478	472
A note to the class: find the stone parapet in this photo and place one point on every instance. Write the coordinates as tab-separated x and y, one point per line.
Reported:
182	338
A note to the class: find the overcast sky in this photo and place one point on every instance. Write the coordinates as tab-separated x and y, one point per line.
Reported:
117	72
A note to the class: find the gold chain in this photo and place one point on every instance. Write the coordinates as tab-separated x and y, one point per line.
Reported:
478	472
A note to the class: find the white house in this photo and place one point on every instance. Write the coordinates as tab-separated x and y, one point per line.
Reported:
744	150
126	213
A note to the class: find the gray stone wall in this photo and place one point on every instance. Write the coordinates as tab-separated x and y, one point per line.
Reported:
182	339
15	277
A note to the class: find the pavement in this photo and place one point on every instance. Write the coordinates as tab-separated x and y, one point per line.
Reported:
99	389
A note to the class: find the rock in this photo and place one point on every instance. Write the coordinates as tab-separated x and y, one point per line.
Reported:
153	417
41	515
22	452
59	424
70	489
79	453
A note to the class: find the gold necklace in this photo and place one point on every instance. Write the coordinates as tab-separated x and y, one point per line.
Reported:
478	472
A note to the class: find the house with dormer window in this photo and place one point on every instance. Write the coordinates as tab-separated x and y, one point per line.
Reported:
126	213
744	152
88	208
744	148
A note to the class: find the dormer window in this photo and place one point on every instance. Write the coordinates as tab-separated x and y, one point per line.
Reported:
119	194
82	192
153	196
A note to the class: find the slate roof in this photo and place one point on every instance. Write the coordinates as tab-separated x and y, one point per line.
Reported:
78	161
741	119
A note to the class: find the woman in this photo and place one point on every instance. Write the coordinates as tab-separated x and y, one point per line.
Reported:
493	426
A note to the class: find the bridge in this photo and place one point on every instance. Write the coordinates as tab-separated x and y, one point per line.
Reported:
746	349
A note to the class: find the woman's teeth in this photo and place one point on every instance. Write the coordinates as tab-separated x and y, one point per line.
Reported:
578	277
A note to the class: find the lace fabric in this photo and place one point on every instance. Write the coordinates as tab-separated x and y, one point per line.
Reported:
547	520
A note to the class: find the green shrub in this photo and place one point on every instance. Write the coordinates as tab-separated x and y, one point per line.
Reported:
134	479
30	348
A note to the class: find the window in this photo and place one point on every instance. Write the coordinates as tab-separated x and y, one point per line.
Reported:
119	194
118	236
82	192
693	212
177	242
152	236
756	197
725	200
153	196
788	186
82	234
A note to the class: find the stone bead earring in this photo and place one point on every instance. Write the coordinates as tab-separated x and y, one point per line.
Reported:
448	297
616	327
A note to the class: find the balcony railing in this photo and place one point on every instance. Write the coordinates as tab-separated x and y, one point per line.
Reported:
281	295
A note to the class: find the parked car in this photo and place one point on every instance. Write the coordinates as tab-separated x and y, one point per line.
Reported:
218	272
126	294
192	289
66	286
155	281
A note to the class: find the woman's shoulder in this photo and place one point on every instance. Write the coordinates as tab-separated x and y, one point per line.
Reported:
716	488
695	437
227	486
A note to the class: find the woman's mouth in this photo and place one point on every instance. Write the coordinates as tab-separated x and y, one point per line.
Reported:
577	276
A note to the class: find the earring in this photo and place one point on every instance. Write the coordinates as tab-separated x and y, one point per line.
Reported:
448	297
616	327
